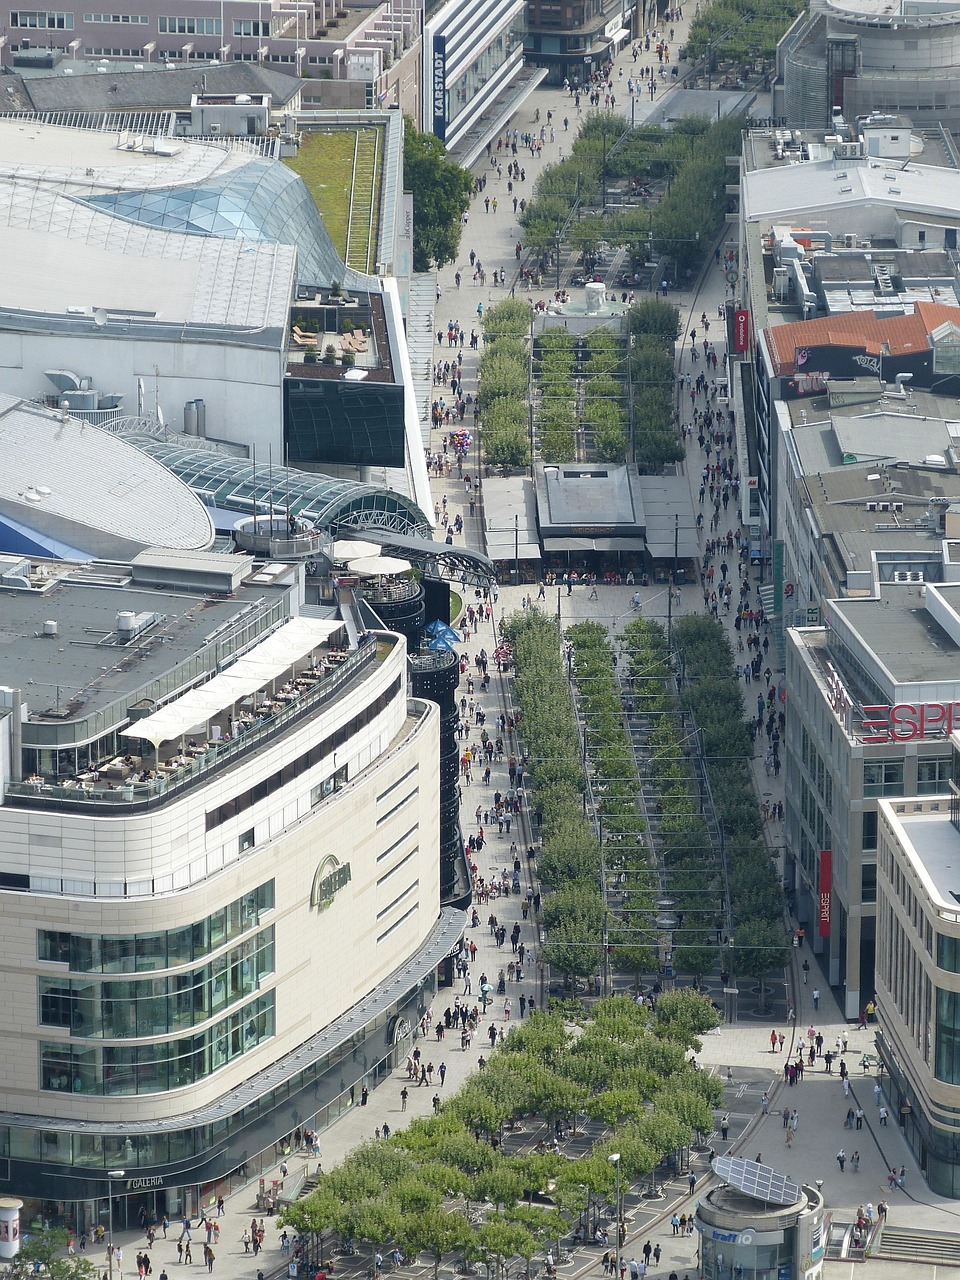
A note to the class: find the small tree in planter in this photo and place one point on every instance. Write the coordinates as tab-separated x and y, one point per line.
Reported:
310	357
348	359
330	354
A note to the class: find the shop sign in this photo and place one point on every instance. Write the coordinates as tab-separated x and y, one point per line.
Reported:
826	881
143	1184
741	331
439	86
908	720
330	878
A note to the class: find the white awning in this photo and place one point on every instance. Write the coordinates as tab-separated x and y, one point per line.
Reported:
294	640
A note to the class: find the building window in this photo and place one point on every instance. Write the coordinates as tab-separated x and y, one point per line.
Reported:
868	838
32	20
135	19
92	1009
247	840
159	1066
883	777
948	1037
868	882
933	776
141	953
250	27
328	786
189	26
948	953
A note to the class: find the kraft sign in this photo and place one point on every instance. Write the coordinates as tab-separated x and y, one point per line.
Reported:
438	82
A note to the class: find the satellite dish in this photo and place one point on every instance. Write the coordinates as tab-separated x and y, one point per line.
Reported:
99	317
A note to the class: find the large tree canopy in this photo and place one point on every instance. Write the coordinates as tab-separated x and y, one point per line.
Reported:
441	193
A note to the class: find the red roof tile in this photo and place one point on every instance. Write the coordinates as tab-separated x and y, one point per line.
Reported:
903	334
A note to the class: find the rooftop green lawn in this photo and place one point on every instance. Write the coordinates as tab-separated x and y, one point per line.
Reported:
325	163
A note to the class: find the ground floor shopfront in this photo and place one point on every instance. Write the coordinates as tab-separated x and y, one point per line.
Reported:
66	1172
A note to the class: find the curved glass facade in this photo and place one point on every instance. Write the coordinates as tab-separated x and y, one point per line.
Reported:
93	1007
235	484
156	1067
259	200
157	1006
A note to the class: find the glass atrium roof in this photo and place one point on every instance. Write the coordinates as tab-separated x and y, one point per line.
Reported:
258	200
234	484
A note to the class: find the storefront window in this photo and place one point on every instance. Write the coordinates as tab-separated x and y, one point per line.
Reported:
156	1068
147	952
157	1006
948	1036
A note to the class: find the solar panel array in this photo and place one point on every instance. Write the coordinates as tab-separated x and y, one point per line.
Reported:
757	1180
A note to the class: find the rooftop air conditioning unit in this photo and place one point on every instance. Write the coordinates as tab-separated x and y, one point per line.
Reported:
849	239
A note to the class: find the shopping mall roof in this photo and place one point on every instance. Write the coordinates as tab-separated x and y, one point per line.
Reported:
235	484
66	484
234	228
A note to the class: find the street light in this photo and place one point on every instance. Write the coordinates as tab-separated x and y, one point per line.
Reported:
614	1159
113	1175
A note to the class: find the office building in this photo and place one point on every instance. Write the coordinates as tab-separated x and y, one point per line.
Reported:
872	698
862	56
473	73
574	38
918	976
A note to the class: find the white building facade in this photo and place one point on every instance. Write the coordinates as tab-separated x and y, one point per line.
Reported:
231	928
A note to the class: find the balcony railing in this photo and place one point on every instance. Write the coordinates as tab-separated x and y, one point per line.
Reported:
135	796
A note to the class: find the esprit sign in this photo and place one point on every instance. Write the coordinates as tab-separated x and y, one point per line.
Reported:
908	720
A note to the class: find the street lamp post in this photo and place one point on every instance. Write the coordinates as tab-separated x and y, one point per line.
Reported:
614	1159
113	1175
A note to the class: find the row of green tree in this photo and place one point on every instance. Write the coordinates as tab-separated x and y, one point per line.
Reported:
690	158
654	326
712	693
569	860
504	384
624	1071
572	866
693	873
745	32
580	382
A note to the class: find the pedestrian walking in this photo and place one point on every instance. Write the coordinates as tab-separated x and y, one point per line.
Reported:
841	1158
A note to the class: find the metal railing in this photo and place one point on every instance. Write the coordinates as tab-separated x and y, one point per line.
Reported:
150	793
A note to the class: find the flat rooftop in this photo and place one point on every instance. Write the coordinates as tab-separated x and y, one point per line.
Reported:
83	669
934	849
899	631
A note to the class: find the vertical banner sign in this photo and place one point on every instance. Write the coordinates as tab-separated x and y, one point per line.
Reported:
741	331
778	578
438	86
826	877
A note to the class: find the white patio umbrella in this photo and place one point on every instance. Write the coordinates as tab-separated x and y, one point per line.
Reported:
373	566
344	549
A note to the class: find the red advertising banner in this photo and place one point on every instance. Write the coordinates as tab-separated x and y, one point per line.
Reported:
826	877
741	331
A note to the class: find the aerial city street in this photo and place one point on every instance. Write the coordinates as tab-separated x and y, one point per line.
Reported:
480	640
